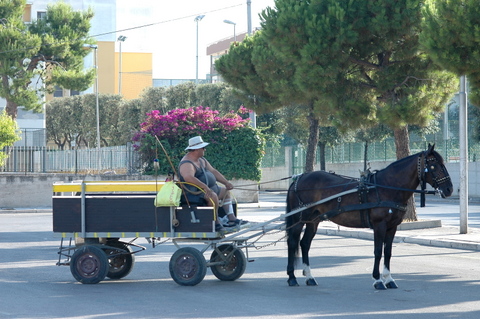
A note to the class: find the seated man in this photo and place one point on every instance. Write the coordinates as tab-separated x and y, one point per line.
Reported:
196	170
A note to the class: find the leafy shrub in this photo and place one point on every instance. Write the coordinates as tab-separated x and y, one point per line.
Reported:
8	134
235	148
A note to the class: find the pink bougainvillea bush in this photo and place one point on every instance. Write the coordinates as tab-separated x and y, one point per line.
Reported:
230	137
189	122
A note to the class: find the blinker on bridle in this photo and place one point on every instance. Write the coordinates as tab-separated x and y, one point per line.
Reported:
423	162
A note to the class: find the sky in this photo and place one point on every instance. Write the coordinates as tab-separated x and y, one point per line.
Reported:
173	31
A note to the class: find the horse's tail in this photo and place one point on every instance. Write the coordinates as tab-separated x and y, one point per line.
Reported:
290	220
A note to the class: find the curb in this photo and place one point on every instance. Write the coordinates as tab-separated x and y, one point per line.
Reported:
420	224
444	242
24	210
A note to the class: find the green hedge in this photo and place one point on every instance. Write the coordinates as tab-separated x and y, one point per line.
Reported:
236	154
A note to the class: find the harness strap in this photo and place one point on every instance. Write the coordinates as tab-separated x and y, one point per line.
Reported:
359	207
296	179
363	191
422	169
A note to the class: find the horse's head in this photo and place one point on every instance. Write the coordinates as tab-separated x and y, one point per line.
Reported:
435	172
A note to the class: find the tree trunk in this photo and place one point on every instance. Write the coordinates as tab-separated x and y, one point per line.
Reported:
312	143
11	109
321	151
402	145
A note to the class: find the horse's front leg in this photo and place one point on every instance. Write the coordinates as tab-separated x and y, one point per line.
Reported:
386	275
379	233
305	243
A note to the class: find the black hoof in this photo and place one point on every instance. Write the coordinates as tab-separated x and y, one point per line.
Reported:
391	285
379	285
292	282
311	282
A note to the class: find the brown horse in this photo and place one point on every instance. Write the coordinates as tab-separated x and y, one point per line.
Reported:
377	201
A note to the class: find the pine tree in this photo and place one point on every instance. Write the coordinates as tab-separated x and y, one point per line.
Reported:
36	57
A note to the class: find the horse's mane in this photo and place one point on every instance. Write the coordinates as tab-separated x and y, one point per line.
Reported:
395	164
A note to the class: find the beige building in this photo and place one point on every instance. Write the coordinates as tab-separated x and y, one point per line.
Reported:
216	50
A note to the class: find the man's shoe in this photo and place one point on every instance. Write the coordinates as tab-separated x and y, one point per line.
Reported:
219	228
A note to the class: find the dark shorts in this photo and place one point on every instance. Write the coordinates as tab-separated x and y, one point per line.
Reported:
199	199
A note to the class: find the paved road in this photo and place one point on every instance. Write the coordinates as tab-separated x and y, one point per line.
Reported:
434	282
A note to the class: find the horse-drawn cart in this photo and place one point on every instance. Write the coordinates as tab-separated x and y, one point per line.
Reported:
98	216
100	221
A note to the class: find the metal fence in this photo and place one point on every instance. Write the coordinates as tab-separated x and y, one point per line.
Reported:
354	152
124	160
118	159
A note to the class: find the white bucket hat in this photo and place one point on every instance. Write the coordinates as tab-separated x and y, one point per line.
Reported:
195	143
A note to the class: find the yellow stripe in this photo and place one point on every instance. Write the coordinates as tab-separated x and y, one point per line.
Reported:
95	235
109	186
137	234
108	235
123	235
152	235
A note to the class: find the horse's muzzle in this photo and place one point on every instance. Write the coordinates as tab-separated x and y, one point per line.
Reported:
446	193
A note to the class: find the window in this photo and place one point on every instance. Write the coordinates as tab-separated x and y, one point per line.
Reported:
41	15
58	92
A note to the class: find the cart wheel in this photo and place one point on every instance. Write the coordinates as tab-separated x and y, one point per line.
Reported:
89	264
120	265
233	263
188	266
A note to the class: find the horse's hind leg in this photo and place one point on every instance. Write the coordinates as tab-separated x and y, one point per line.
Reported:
386	276
292	243
379	233
305	243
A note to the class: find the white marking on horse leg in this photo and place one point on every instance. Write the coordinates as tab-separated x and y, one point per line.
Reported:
378	284
377	281
387	276
307	272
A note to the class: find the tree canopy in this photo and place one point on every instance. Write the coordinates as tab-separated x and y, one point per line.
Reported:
74	119
451	36
37	56
352	64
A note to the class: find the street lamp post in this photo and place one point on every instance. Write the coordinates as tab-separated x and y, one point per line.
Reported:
234	31
97	108
120	39
197	19
253	116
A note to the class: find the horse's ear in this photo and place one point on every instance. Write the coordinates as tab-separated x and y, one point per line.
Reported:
430	148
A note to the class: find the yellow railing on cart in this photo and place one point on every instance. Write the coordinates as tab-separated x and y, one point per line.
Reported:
108	186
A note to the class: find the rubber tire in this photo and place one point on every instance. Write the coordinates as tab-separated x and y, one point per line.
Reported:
188	266
234	267
89	264
119	266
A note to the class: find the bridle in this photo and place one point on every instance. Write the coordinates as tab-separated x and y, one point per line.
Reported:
423	165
